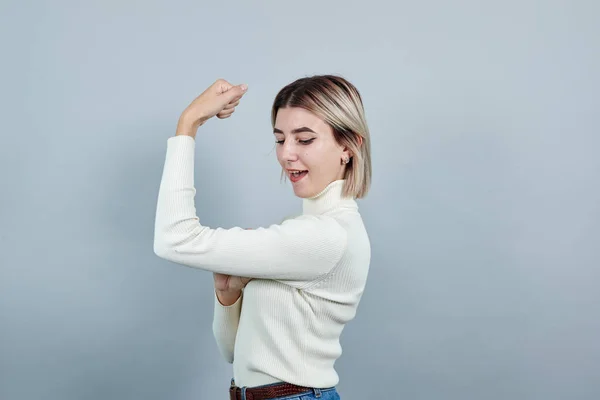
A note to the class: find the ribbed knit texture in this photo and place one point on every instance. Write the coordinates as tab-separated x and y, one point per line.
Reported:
310	272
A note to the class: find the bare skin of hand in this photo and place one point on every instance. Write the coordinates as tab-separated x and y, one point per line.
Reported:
229	288
220	100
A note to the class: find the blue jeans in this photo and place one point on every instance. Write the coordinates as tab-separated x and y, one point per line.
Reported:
317	394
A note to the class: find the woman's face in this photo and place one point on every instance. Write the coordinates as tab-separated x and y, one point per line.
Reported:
305	143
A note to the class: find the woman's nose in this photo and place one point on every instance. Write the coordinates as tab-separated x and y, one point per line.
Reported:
288	151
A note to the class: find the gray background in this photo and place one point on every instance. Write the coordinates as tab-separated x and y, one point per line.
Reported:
484	212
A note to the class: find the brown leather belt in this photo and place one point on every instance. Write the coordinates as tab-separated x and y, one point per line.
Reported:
266	392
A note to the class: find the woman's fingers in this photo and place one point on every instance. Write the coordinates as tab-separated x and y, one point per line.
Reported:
228	283
221	281
240	283
231	105
229	108
225	113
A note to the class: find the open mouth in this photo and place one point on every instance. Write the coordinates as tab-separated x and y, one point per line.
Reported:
295	176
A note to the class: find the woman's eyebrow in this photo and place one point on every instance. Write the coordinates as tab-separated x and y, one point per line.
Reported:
297	130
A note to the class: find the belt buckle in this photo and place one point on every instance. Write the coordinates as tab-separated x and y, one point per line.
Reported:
232	390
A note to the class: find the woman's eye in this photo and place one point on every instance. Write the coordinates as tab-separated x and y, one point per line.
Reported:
305	142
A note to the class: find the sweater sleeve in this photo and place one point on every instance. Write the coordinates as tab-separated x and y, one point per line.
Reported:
225	326
300	249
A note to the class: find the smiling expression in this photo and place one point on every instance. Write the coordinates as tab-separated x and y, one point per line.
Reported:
307	151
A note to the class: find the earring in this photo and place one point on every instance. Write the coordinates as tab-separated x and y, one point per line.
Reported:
345	160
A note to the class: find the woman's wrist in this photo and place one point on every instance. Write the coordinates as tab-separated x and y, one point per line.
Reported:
188	127
227	298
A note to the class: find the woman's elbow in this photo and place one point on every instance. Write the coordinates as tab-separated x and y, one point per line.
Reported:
161	247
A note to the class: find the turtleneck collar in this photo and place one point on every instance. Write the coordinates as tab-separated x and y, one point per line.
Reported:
327	199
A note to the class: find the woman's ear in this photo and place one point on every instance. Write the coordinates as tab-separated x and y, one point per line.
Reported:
347	153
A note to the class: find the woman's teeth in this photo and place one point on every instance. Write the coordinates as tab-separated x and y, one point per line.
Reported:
295	176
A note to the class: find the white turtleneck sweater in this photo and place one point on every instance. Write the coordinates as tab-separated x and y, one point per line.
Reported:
310	272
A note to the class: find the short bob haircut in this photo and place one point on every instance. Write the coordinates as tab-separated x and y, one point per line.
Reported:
337	102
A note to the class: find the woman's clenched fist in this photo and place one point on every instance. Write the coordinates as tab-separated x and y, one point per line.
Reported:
219	100
229	283
229	288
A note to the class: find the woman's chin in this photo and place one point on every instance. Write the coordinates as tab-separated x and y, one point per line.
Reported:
301	190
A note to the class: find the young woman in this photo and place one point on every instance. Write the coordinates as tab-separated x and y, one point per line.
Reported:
283	293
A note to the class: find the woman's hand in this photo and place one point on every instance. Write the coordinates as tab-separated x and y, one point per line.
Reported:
229	283
219	99
229	288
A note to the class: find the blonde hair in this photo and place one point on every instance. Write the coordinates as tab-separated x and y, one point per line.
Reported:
339	104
